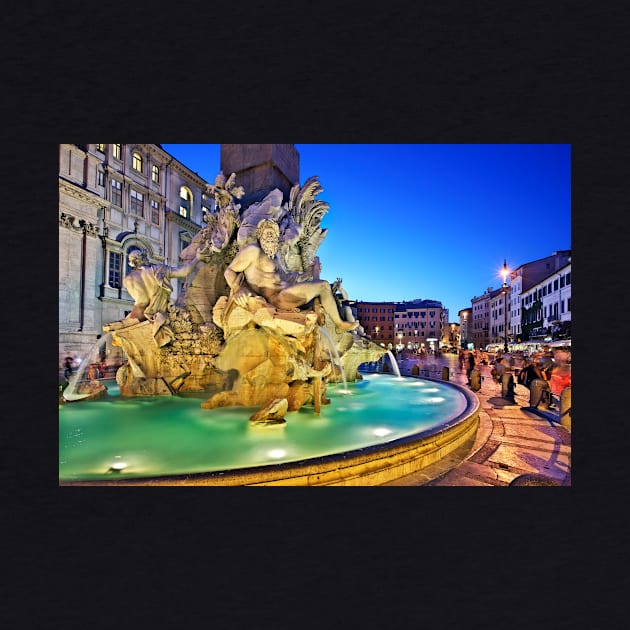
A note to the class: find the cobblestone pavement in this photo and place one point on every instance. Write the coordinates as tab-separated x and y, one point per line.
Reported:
512	441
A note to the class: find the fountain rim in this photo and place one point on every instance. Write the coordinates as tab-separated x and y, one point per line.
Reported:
315	466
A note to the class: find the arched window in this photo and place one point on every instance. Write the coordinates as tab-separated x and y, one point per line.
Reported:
136	162
185	202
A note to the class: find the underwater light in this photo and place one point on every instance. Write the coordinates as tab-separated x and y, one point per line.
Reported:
381	431
277	452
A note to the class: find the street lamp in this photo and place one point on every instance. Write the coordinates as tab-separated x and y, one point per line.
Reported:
504	273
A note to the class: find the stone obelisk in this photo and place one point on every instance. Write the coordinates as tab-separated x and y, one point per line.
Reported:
260	168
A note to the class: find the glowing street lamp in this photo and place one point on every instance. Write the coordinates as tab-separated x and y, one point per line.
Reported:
504	273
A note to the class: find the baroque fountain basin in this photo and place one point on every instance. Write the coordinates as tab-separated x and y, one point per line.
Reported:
383	428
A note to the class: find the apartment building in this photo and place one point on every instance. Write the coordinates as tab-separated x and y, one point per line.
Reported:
480	316
523	279
418	325
547	308
377	320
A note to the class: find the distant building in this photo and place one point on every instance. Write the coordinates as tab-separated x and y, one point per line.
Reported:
499	300
418	325
546	308
465	328
377	320
480	329
524	278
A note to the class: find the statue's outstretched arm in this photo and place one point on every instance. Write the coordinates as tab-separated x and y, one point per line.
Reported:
185	270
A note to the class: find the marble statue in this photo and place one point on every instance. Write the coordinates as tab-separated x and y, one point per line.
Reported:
254	271
248	327
150	287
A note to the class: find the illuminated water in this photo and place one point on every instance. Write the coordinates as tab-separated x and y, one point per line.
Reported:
334	357
156	436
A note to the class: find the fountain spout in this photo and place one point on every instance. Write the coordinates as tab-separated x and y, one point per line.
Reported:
394	363
332	351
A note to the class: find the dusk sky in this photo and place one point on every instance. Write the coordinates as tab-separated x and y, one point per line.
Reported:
428	221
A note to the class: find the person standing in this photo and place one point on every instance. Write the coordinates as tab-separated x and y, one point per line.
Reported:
68	368
469	363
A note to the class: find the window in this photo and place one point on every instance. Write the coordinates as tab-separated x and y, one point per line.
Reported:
432	314
155	212
137	203
569	280
117	151
555	284
561	281
100	178
100	148
569	304
114	269
155	174
136	162
185	202
116	192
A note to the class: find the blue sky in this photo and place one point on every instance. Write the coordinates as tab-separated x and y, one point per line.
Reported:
428	221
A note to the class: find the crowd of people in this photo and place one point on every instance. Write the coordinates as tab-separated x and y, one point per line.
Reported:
553	368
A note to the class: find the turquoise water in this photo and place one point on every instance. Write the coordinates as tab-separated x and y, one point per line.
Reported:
150	437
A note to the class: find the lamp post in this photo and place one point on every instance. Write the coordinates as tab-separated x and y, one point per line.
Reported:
504	273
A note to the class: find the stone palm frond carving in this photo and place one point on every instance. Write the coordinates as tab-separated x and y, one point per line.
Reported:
304	215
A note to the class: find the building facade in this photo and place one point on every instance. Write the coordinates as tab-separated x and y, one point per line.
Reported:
480	314
499	315
523	279
114	199
547	308
377	320
418	325
465	328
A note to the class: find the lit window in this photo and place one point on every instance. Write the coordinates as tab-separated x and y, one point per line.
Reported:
116	192
117	151
100	178
136	162
100	148
185	202
137	203
155	212
114	269
155	174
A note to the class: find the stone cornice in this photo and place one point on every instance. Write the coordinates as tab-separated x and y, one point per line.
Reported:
78	192
180	220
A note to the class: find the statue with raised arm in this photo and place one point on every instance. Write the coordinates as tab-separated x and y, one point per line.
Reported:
150	287
254	271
